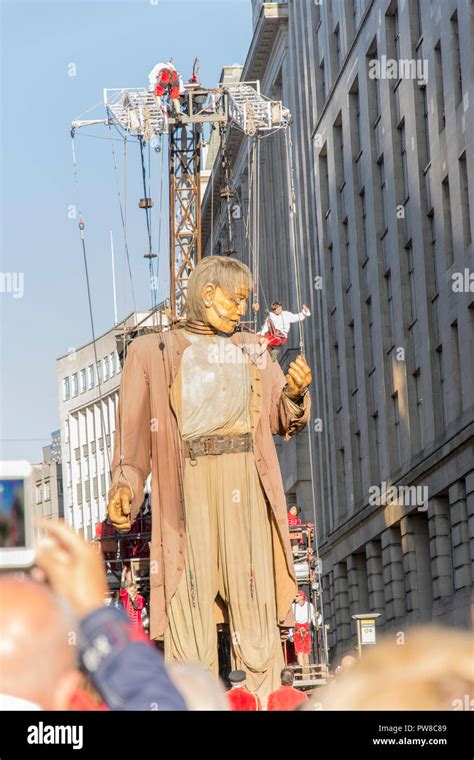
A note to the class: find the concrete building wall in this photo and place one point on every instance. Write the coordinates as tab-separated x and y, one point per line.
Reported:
47	485
384	176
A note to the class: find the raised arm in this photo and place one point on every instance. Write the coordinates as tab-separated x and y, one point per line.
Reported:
290	404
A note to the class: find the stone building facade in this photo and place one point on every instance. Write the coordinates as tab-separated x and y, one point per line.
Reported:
382	96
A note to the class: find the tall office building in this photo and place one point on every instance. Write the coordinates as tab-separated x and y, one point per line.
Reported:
382	95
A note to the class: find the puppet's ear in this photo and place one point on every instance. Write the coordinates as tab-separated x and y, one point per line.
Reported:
208	293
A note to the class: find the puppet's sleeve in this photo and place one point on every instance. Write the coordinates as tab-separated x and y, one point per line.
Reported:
131	462
287	417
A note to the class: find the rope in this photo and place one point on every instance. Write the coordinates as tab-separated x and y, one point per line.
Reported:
122	215
147	210
89	298
292	210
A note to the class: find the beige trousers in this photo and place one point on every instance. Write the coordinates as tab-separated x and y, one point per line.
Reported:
228	553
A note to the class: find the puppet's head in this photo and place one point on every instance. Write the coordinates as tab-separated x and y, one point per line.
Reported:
218	292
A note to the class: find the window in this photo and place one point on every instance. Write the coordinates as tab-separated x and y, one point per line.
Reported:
91	375
106	369
323	80
99	373
66	389
466	224
411	282
66	431
83	380
404	160
419	408
112	364
439	86
47	491
354	112
373	84
391	322
456	58
75	384
396	420
440	380
383	200
337	47
455	371
39	494
448	229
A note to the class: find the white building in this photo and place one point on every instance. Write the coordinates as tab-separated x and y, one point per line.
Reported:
89	381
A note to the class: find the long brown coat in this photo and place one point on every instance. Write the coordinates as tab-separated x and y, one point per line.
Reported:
147	439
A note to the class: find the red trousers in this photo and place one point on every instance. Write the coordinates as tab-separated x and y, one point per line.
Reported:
302	638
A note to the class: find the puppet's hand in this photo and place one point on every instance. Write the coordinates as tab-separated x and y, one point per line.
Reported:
119	510
298	378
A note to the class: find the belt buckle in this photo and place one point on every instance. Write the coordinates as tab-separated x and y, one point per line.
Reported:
192	458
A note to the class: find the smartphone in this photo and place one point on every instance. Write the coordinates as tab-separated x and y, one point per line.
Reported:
16	515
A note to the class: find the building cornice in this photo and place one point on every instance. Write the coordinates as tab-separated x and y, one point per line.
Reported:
271	17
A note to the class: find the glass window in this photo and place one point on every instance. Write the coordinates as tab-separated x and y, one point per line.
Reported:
112	364
83	380
99	373
106	368
91	375
66	389
75	384
39	494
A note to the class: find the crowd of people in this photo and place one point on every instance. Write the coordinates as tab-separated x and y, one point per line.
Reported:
88	656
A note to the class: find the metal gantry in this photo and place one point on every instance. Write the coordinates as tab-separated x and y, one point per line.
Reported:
138	112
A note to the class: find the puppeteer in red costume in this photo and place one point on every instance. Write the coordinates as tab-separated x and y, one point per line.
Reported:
198	407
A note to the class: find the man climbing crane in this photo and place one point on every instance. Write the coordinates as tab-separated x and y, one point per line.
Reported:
198	407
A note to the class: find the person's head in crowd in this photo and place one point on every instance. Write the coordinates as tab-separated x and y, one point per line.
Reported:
37	656
300	597
277	307
287	677
199	689
432	670
348	661
237	678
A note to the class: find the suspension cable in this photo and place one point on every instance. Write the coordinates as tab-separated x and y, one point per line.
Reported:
89	298
292	210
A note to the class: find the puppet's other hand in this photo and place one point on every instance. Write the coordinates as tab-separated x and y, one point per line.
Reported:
298	378
119	510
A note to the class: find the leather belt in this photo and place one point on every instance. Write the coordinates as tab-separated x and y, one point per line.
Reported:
213	445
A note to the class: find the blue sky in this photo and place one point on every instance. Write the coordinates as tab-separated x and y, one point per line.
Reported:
112	44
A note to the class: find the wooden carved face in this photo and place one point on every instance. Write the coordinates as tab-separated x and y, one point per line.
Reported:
223	310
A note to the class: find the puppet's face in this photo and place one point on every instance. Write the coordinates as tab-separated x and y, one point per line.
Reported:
223	310
294	511
299	599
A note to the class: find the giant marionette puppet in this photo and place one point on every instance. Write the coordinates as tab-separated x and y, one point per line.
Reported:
198	407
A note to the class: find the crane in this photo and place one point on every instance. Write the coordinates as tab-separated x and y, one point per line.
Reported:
138	112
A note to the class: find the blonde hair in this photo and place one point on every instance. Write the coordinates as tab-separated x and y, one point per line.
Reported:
432	670
221	271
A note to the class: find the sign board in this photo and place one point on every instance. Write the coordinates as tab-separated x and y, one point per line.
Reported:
367	631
